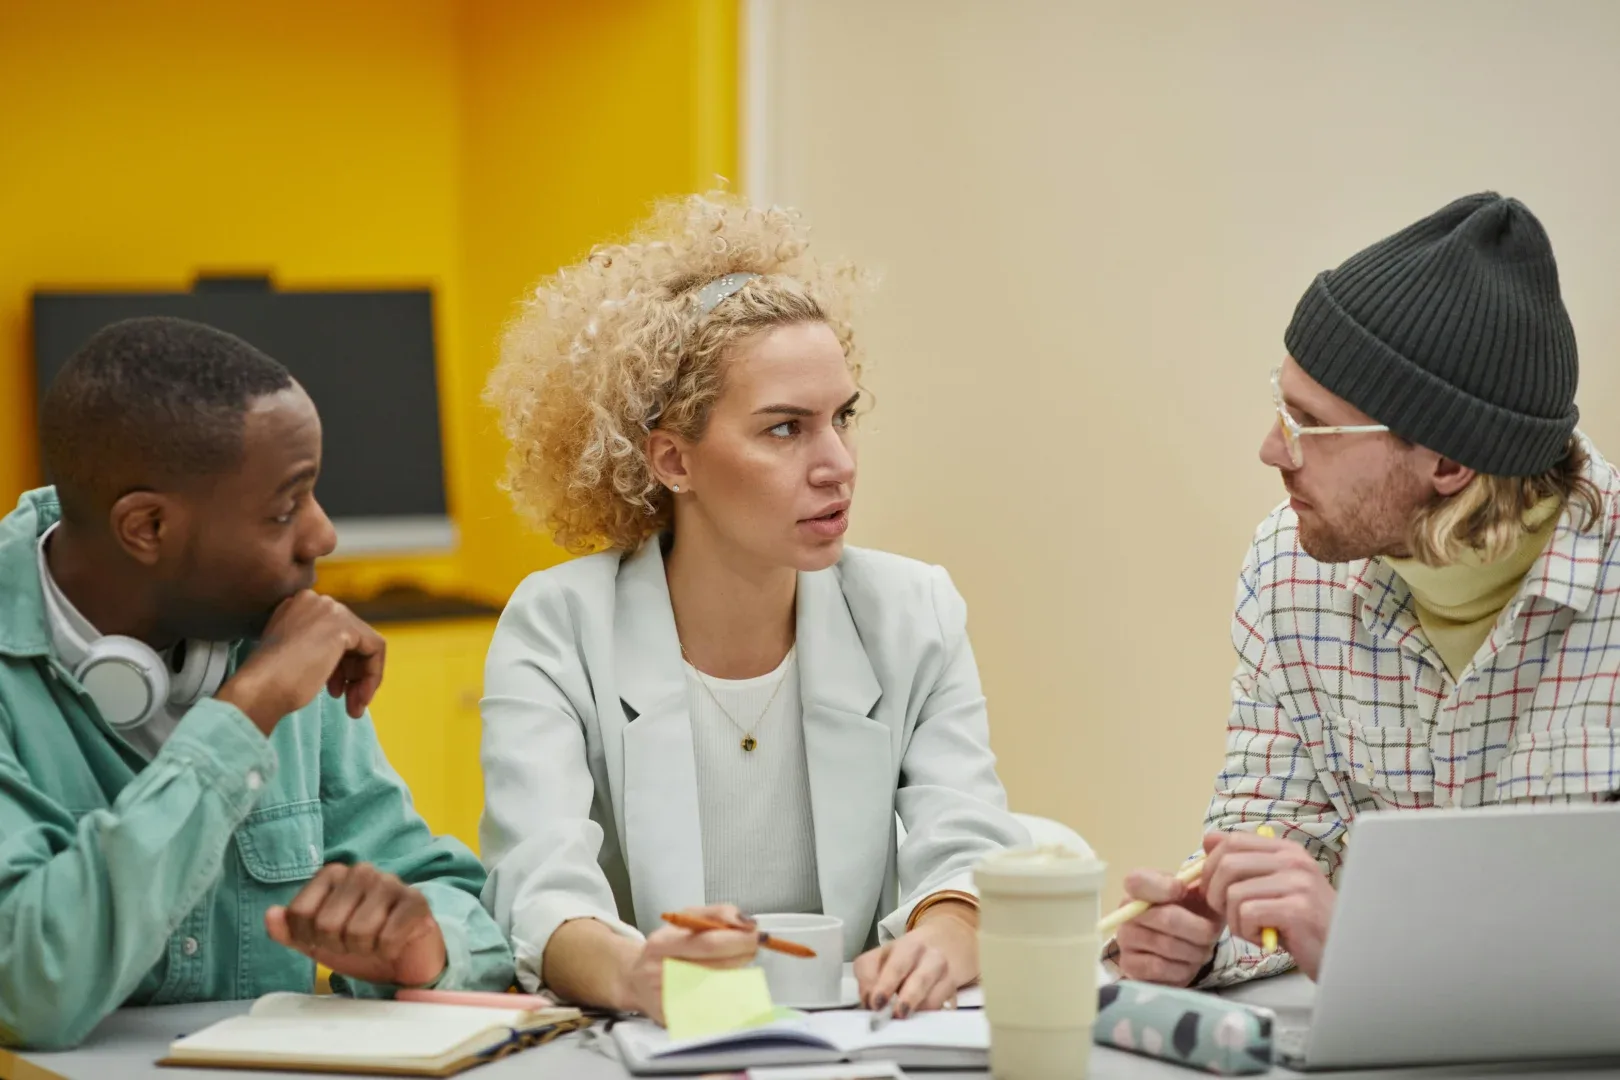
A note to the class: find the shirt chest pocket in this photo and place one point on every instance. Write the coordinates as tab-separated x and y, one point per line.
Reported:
280	849
1572	764
1393	763
281	845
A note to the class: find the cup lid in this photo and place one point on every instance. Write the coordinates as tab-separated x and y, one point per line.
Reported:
1043	868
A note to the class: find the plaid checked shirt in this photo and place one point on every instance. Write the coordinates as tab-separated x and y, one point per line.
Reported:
1340	706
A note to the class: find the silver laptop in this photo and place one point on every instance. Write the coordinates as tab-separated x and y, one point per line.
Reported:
1470	936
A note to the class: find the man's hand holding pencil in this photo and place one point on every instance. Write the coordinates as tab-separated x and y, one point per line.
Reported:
1172	936
1269	891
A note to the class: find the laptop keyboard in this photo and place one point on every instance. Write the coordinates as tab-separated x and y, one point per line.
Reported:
1290	1044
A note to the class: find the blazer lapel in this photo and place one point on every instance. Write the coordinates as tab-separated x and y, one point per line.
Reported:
850	758
663	841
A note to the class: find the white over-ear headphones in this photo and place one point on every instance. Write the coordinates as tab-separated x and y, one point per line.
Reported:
130	683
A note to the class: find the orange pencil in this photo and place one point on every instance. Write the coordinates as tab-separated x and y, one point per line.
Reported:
698	924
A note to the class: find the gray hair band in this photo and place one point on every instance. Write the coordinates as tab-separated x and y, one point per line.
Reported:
721	287
708	298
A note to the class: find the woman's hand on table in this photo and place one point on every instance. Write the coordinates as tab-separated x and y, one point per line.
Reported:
924	968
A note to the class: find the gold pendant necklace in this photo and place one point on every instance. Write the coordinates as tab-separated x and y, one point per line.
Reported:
748	741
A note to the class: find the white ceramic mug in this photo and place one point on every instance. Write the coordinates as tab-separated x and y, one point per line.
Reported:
800	982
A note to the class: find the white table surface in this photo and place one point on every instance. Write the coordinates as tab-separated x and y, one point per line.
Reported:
128	1043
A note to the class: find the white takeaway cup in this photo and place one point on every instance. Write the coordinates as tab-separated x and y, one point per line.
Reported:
1038	949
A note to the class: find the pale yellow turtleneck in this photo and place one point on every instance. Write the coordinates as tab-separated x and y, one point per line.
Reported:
1458	605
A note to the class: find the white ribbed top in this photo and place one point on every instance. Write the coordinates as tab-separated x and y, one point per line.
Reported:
759	841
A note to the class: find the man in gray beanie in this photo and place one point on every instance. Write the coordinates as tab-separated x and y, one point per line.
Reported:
1441	549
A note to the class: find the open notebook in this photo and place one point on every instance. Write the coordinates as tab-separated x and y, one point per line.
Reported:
952	1039
302	1033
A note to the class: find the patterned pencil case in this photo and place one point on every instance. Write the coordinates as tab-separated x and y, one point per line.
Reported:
1185	1027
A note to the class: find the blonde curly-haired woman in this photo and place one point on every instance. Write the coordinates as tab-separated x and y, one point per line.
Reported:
723	708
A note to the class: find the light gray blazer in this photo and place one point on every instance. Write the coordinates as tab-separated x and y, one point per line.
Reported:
591	803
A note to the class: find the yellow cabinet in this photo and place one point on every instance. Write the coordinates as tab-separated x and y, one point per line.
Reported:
427	717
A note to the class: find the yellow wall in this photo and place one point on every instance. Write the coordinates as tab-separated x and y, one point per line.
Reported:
427	719
142	142
473	147
574	117
468	146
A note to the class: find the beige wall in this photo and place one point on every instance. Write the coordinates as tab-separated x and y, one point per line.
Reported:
1094	221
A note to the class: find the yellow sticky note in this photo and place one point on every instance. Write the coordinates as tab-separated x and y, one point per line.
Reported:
701	1001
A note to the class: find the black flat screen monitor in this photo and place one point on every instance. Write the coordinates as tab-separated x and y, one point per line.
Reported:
365	357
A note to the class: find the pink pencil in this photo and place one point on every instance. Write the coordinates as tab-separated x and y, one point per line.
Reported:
482	999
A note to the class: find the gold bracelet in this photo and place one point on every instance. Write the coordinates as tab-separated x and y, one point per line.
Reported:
933	898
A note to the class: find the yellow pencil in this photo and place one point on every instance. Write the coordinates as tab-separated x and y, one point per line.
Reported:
1120	916
1268	936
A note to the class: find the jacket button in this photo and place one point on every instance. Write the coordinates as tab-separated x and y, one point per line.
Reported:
190	946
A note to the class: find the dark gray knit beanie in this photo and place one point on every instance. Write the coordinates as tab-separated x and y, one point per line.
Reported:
1452	332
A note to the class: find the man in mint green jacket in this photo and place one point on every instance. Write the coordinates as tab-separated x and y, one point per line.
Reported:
193	802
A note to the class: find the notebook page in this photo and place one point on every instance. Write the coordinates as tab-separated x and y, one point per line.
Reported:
646	1041
331	1007
947	1029
347	1029
844	1030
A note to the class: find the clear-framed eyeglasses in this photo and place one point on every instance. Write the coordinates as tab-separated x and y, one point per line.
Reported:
1292	430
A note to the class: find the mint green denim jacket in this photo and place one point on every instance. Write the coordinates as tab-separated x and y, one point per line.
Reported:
128	882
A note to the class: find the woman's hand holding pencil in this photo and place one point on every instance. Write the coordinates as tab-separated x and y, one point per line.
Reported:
716	935
699	923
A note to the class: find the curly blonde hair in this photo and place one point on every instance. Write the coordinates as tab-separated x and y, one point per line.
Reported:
1487	517
615	346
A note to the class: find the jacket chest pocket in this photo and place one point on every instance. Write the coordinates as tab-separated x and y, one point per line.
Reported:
280	849
282	844
1391	765
1574	764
